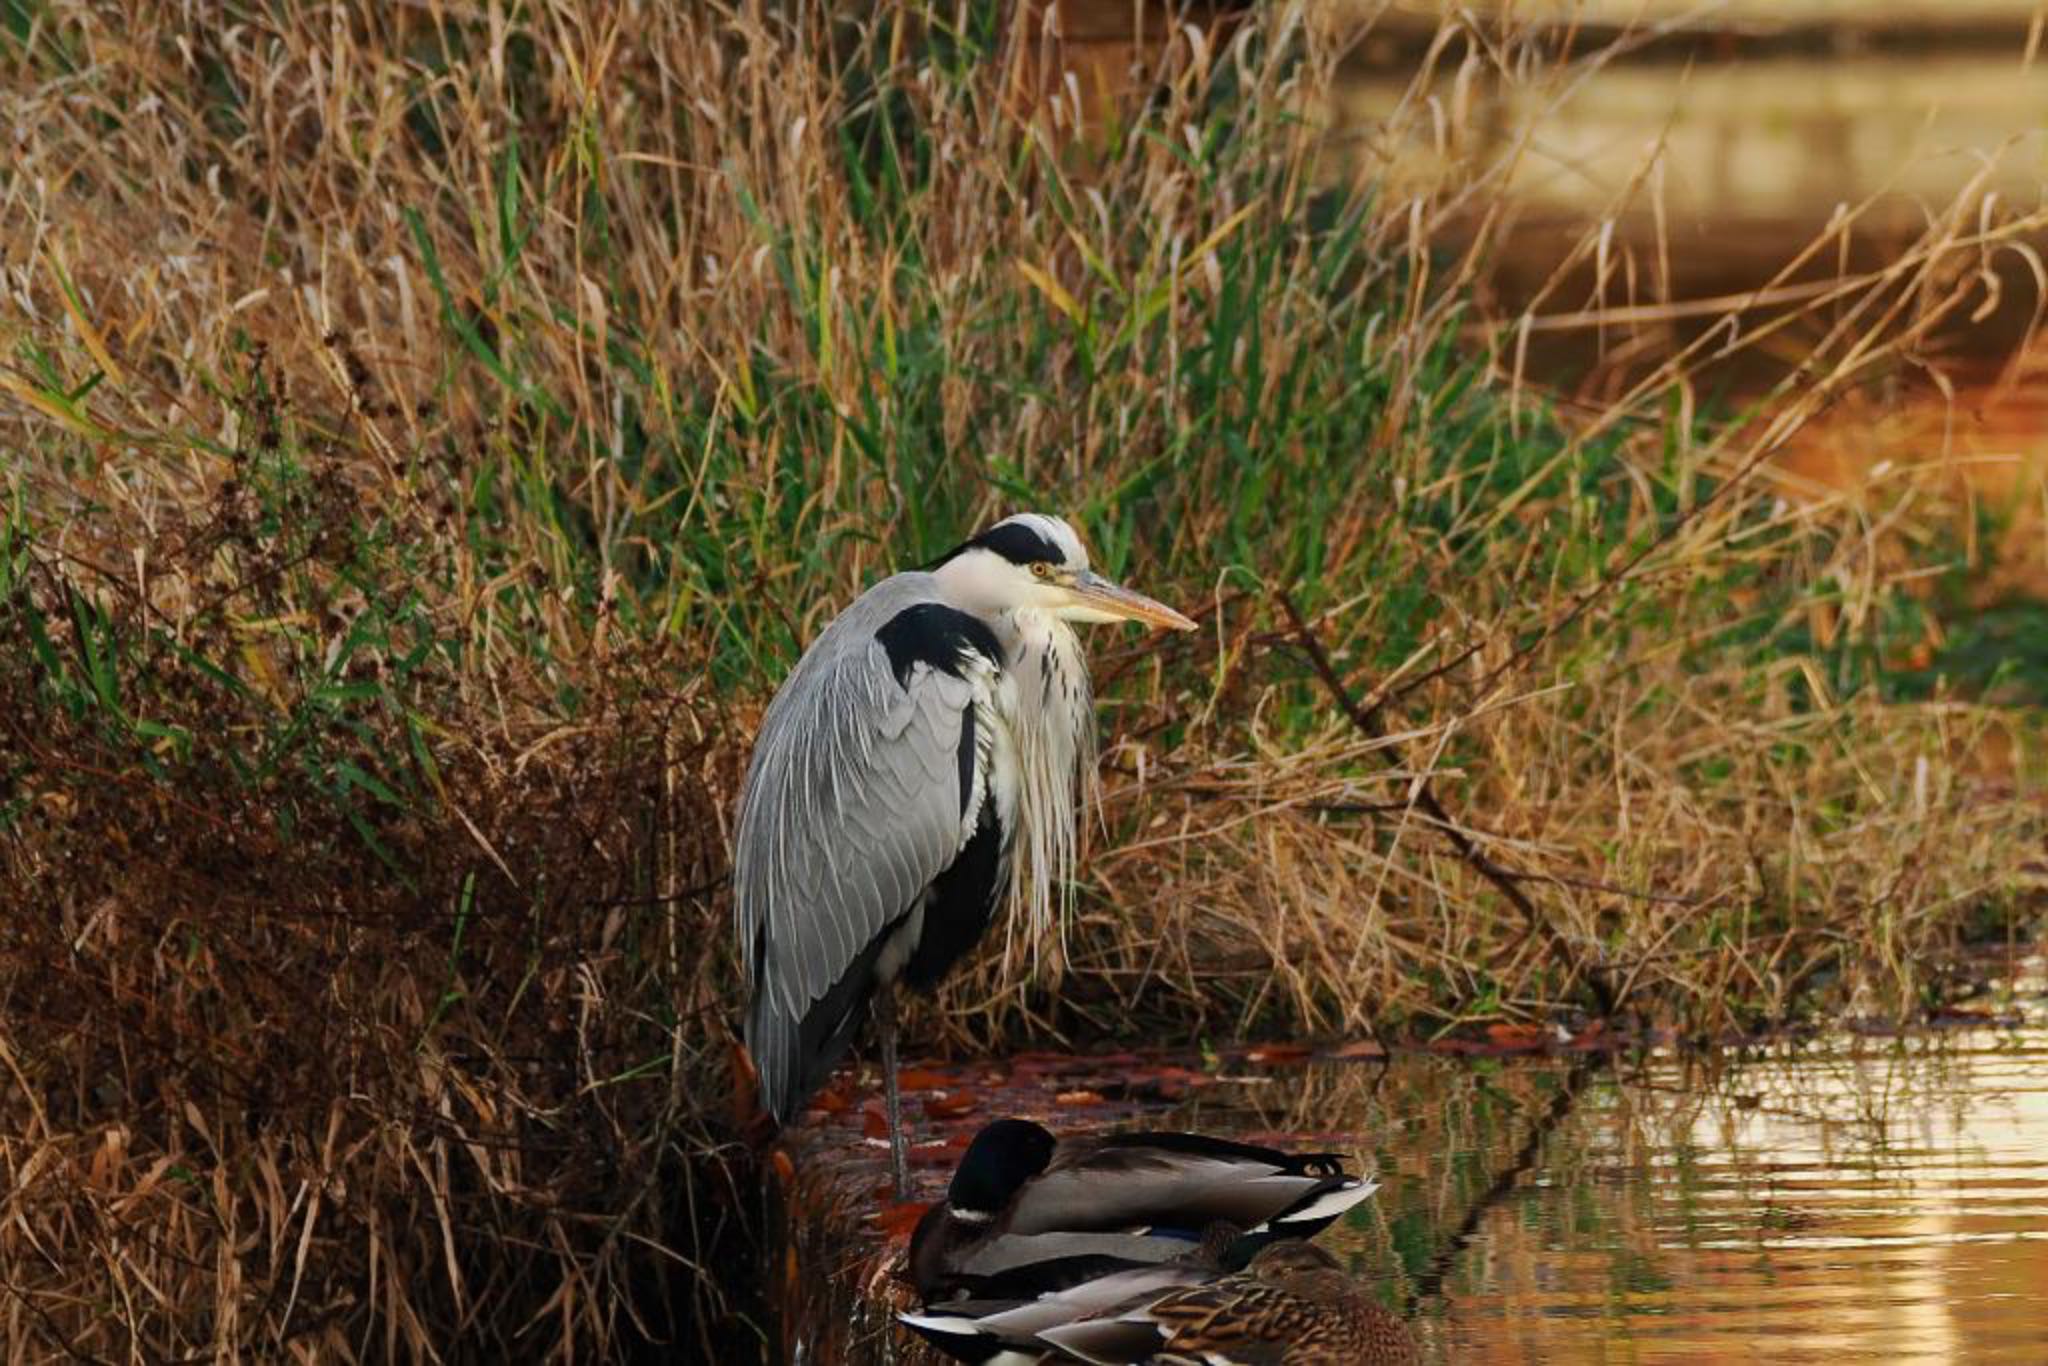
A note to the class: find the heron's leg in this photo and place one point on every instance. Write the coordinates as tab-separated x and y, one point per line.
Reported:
885	1025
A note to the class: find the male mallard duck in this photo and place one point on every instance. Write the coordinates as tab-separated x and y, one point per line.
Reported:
1082	1206
1293	1306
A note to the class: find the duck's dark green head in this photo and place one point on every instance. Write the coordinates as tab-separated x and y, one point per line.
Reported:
1002	1157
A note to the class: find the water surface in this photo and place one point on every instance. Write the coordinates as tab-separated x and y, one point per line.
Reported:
1860	1198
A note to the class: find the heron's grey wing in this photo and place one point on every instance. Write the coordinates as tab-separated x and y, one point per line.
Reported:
852	806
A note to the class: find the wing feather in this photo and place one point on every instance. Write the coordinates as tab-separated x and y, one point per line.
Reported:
851	808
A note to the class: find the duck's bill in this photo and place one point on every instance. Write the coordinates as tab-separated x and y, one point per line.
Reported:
1114	602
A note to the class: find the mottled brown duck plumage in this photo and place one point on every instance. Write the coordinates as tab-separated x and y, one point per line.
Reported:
1293	1306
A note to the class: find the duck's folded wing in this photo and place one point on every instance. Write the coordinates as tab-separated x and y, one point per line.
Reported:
1020	1326
1184	1187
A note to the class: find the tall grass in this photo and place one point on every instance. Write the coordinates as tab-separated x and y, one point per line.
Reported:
431	436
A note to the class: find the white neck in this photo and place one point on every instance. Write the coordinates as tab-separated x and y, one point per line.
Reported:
977	581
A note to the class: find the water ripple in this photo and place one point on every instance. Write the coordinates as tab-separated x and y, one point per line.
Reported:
1868	1199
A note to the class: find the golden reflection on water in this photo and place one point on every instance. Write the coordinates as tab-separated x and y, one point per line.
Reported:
1863	1199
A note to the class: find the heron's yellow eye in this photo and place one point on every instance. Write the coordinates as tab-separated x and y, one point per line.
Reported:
1040	569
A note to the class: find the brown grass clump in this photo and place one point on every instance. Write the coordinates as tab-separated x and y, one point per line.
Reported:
433	433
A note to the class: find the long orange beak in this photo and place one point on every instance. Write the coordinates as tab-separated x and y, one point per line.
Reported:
1091	590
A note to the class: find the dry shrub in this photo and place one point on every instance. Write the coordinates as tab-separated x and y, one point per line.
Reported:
437	432
267	1092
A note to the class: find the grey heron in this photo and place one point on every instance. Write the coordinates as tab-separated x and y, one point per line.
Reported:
933	730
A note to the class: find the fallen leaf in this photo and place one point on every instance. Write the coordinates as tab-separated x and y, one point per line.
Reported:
834	1102
897	1218
950	1105
1517	1038
1357	1048
922	1079
1078	1098
1595	1035
1278	1052
874	1124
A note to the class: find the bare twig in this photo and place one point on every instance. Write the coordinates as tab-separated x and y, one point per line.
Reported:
1505	880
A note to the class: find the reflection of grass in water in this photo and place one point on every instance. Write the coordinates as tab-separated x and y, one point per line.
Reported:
1663	1193
1634	1274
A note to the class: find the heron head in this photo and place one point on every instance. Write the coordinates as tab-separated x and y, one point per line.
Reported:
1035	561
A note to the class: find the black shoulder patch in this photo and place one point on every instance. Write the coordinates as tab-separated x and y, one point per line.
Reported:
937	635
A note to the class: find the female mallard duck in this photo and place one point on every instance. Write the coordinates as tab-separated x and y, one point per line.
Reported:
1079	1207
1293	1306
